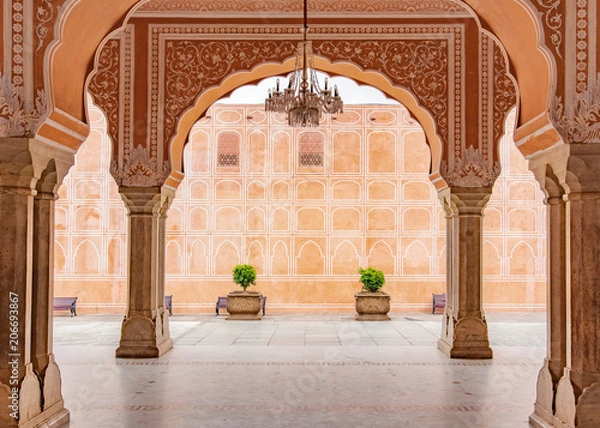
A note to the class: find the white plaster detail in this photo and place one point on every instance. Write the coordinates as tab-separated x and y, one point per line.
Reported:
18	117
472	170
581	122
140	170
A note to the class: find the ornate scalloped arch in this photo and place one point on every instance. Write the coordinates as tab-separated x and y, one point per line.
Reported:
375	79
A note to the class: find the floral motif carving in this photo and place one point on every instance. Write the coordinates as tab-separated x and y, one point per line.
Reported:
191	66
17	41
471	170
581	123
105	85
418	65
505	97
44	15
582	45
552	18
296	6
113	74
140	170
19	117
485	95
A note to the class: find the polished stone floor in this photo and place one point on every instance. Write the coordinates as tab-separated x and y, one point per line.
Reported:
299	371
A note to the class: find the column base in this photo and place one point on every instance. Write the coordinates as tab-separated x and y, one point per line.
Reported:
470	340
139	339
538	420
467	350
55	416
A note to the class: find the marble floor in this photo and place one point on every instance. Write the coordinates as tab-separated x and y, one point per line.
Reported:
299	371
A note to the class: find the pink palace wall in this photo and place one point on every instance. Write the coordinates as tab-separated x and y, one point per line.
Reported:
306	208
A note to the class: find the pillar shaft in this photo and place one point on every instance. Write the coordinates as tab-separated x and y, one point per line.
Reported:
568	387
557	287
30	386
583	357
43	280
145	332
464	330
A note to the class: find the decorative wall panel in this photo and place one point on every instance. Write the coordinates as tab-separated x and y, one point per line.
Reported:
304	228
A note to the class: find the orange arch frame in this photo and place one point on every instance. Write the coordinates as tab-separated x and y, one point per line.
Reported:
234	81
85	23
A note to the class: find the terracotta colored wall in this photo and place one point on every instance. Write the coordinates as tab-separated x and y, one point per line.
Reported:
306	208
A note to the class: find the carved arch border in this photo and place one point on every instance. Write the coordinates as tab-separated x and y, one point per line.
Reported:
235	80
81	31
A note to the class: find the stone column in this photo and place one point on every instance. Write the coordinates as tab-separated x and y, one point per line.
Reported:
464	330
556	300
574	297
577	401
42	355
27	397
145	331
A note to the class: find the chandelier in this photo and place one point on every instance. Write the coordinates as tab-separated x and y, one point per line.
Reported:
304	100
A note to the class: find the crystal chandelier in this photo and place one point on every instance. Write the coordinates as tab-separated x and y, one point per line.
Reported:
304	99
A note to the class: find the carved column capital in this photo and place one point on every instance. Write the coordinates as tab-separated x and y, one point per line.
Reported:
147	200
465	201
24	161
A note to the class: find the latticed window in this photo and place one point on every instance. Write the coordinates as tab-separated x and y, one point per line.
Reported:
311	149
228	149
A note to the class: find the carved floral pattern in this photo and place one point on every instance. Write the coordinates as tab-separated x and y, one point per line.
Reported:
581	123
421	66
135	167
582	46
105	85
19	117
140	170
192	66
472	170
505	97
17	43
485	96
552	19
45	13
296	6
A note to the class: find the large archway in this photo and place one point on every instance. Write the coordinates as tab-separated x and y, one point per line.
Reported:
551	62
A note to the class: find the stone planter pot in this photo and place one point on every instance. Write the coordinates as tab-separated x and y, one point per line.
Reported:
244	305
372	306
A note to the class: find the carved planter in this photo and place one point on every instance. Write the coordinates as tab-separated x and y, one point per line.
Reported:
244	305
372	306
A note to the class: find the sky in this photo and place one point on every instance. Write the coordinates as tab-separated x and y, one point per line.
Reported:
350	91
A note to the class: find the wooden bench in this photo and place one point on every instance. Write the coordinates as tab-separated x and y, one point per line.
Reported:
65	304
222	304
169	304
439	301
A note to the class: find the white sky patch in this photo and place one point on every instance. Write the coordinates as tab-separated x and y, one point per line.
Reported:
350	91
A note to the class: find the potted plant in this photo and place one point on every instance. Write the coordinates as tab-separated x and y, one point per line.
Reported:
244	305
371	303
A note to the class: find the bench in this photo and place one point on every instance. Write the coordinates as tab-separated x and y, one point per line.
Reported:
169	304
65	304
439	301
222	304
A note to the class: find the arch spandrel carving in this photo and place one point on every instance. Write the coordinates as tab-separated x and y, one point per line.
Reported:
67	52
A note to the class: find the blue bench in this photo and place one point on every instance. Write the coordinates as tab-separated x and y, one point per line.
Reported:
439	301
222	304
169	304
65	304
